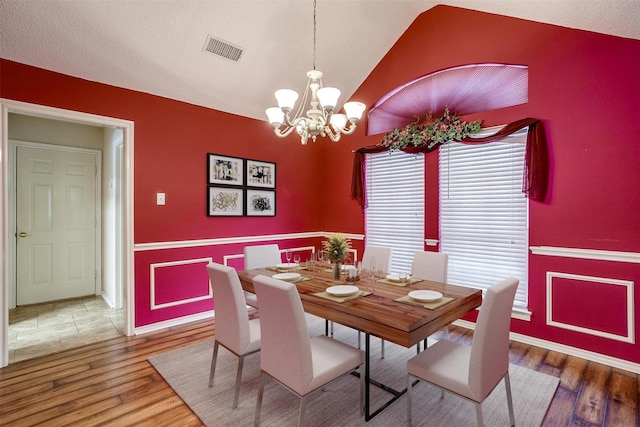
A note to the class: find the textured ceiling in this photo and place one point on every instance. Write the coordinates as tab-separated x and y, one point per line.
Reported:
155	46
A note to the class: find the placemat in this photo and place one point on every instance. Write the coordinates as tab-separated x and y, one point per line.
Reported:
330	297
430	305
287	270
395	283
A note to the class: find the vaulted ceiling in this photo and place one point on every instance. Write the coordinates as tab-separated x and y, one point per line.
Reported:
156	46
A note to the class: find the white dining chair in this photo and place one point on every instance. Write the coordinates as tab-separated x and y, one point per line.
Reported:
234	330
260	256
378	258
430	266
379	255
299	363
472	372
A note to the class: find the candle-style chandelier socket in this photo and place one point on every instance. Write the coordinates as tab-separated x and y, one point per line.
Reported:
319	119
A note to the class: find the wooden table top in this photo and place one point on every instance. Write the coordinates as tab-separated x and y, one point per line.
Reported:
378	313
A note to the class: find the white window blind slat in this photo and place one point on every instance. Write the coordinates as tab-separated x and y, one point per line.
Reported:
395	213
484	214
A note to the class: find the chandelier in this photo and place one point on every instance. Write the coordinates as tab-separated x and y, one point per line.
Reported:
319	118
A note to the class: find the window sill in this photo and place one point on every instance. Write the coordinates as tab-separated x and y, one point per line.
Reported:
521	314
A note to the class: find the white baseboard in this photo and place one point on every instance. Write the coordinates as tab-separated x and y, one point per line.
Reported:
571	351
107	298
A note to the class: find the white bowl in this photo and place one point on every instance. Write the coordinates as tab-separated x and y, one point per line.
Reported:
425	295
287	277
394	277
288	265
342	290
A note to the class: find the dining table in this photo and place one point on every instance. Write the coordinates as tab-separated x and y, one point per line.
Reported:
382	308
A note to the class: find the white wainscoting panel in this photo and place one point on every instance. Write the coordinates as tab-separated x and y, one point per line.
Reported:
152	284
629	338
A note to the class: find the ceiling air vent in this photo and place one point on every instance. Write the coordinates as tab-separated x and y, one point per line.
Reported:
222	48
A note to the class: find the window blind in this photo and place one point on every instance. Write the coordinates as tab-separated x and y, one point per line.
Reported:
395	213
484	214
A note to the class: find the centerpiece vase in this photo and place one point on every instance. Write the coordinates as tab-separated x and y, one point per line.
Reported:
336	270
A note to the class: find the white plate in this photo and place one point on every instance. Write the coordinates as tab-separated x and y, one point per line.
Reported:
395	277
342	290
288	277
425	295
288	265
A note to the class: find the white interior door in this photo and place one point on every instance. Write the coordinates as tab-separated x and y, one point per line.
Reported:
56	224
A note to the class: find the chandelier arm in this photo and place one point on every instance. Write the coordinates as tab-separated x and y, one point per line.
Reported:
289	122
283	133
349	130
333	135
296	121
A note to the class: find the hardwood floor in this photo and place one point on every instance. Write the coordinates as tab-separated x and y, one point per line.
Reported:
112	383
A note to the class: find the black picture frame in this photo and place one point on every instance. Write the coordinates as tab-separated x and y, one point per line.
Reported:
225	170
260	202
260	174
225	201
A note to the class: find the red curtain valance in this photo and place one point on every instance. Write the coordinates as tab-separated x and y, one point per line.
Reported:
536	173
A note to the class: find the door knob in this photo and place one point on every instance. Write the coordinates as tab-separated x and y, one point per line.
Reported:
23	234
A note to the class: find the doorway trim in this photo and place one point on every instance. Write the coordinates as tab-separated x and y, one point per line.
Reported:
10	106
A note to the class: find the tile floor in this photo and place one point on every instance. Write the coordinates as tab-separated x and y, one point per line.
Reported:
39	329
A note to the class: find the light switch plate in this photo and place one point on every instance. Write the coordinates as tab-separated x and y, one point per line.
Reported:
160	200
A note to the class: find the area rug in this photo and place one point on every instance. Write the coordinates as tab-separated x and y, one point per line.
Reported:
187	372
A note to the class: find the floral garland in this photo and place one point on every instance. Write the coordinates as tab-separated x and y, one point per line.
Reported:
443	129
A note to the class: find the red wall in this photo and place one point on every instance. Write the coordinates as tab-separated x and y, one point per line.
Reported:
582	85
172	140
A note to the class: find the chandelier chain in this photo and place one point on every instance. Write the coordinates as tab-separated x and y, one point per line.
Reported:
314	34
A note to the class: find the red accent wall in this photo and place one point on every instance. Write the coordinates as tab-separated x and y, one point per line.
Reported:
582	85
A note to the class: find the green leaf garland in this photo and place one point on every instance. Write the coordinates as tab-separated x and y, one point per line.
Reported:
439	131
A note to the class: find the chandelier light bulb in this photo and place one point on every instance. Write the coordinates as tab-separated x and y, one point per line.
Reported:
275	116
354	110
338	121
328	97
286	98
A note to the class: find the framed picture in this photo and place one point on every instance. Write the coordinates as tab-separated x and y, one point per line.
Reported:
225	169
261	203
261	174
225	201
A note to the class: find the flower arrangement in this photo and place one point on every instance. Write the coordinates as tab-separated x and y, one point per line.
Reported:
443	129
337	247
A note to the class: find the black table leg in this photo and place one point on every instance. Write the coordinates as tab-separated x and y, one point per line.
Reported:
367	377
368	381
